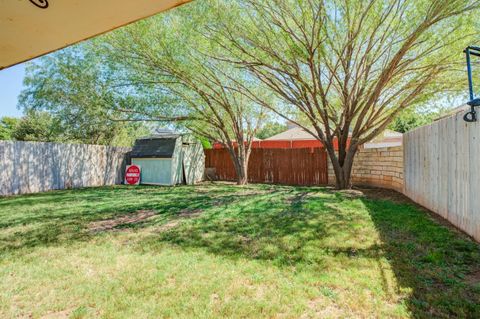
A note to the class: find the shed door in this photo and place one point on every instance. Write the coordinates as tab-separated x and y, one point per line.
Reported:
194	163
154	170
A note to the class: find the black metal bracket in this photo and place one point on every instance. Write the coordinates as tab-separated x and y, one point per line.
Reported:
471	116
42	4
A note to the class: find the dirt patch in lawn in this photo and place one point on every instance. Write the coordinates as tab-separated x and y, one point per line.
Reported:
110	224
247	194
253	192
473	278
352	193
383	194
189	213
182	215
58	315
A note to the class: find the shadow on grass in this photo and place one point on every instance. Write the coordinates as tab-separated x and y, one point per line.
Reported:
62	217
285	226
434	261
274	227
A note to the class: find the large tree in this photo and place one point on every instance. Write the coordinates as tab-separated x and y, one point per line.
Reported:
71	91
347	66
167	64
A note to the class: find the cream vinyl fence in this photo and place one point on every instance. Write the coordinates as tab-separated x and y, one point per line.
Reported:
442	170
31	167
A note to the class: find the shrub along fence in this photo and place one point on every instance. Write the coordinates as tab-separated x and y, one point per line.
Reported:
30	167
305	166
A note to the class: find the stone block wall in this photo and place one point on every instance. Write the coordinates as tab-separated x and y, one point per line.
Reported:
379	167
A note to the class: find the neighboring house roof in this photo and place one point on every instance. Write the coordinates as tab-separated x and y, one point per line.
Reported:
388	138
292	134
162	146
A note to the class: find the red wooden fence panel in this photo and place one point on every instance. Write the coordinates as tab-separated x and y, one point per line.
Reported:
302	166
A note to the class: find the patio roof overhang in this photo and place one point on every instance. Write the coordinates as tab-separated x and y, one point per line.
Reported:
31	28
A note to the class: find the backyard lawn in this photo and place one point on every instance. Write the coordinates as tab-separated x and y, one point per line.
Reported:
218	250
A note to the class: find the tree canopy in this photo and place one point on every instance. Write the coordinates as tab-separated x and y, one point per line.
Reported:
348	66
167	68
69	96
341	69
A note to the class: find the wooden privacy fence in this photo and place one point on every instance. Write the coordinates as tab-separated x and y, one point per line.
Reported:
442	170
305	166
30	167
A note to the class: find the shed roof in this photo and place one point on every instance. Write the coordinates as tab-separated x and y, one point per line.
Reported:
154	147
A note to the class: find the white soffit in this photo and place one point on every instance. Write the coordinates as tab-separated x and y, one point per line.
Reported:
31	28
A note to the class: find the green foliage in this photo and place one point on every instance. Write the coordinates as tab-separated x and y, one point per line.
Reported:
351	66
206	143
127	132
38	126
74	88
227	251
411	119
270	129
7	127
166	65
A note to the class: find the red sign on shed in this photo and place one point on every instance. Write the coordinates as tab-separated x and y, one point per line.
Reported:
132	175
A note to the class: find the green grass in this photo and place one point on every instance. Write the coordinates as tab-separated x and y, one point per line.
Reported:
226	251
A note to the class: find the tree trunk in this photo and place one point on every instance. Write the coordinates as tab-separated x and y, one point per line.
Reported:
240	163
242	174
342	167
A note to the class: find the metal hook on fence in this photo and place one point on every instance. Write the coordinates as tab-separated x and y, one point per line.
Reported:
471	116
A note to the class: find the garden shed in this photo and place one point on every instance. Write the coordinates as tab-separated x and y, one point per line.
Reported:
169	159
